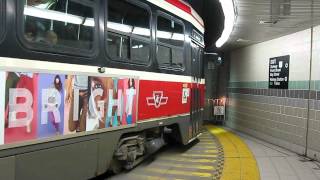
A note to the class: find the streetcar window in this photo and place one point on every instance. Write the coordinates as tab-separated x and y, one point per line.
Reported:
170	43
129	34
170	32
63	23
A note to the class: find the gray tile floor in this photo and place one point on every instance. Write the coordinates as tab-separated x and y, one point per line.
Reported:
276	163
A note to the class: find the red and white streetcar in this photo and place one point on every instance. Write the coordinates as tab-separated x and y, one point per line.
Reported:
88	86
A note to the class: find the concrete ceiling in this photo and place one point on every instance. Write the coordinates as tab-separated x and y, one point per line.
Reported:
257	20
262	20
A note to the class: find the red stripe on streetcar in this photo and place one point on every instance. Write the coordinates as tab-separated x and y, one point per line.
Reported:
184	7
180	5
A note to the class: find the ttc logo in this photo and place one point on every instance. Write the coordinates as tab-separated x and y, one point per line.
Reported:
157	100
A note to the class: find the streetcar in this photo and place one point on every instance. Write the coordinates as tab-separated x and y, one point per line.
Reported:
90	86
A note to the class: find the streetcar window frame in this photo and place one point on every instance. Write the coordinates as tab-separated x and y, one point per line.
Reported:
2	19
170	46
130	37
61	49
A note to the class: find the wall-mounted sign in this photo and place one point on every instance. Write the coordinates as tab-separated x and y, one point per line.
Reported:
219	110
279	72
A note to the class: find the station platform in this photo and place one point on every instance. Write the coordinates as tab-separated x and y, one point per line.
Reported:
227	155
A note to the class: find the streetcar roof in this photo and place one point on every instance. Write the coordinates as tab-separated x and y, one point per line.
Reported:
181	9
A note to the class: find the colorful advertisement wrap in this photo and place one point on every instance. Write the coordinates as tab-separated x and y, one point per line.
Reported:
44	105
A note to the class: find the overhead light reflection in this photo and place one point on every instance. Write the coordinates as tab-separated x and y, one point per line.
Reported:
144	31
120	27
141	31
164	35
178	37
137	46
57	16
169	35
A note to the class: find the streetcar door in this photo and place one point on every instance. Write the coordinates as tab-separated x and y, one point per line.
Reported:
195	109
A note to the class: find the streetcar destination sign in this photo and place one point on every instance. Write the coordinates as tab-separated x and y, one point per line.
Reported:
279	72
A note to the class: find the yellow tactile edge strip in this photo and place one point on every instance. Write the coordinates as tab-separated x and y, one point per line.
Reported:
239	162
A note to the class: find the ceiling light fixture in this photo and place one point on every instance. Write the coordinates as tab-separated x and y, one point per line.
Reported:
268	22
230	18
243	40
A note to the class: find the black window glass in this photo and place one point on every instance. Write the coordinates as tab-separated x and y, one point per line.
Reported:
177	57
164	55
170	32
130	22
140	51
118	46
66	23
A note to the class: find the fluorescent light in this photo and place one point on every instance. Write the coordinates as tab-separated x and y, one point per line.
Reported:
178	37
169	35
137	46
230	17
128	29
57	16
164	34
89	22
243	40
119	27
141	31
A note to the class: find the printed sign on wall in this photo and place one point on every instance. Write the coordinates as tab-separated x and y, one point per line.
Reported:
37	105
279	72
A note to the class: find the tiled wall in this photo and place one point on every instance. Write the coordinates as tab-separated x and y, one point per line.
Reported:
278	116
288	118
